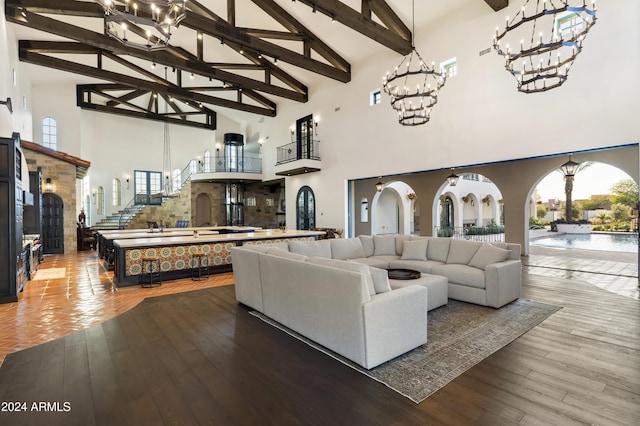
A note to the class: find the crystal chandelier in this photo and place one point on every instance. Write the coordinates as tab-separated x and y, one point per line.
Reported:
413	105
549	37
144	24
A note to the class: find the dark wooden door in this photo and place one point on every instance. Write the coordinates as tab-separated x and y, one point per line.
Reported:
305	209
52	224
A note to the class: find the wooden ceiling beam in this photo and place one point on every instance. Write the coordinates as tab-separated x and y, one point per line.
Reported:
396	36
126	98
497	5
132	82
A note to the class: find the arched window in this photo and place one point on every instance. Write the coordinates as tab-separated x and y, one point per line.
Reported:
100	208
176	179
207	161
117	192
193	167
50	133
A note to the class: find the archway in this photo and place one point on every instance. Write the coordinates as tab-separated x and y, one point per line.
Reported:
392	209
52	223
305	209
203	210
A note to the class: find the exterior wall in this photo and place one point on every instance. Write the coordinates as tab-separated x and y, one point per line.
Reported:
63	177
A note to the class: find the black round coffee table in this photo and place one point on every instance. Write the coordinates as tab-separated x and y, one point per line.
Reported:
403	274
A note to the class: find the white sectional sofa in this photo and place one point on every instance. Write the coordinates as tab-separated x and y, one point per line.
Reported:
336	292
332	302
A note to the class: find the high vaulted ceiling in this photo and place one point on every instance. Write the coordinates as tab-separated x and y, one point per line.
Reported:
237	54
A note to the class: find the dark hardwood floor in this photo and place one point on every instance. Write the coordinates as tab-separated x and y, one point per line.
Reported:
200	358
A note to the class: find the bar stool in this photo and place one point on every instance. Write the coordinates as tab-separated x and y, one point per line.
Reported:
148	263
198	267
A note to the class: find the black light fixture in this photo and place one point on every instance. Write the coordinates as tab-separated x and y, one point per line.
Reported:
453	178
379	185
48	185
540	43
8	104
569	168
413	91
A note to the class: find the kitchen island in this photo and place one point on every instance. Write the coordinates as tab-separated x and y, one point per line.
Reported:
175	252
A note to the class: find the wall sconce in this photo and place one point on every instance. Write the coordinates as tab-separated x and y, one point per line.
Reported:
127	180
8	104
218	147
292	130
94	196
316	120
379	185
48	185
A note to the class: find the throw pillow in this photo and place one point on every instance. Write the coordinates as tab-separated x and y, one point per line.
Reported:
488	254
415	249
347	266
380	279
384	245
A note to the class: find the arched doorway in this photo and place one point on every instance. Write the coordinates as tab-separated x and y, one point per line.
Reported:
203	210
305	209
392	209
447	212
52	223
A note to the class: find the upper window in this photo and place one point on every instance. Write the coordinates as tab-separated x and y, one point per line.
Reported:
117	192
176	179
375	97
50	133
449	67
568	24
207	161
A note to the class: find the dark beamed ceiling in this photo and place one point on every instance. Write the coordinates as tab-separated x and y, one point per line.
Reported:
193	84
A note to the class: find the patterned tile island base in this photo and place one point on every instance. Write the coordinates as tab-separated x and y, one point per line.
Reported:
176	260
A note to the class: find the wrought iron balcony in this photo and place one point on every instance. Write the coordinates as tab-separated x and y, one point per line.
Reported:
298	157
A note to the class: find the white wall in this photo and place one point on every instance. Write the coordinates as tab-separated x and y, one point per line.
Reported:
19	92
480	116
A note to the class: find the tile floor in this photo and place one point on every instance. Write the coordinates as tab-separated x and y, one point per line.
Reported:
73	292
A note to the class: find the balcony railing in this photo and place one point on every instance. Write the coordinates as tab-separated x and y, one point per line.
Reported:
491	234
248	163
290	152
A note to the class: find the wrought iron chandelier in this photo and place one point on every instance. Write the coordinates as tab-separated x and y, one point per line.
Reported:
413	105
144	24
549	37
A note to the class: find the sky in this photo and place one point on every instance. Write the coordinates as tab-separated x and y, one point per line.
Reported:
597	179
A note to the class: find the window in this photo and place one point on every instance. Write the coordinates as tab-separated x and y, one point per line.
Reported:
471	176
49	133
449	67
193	167
117	192
100	208
207	161
176	179
568	24
375	97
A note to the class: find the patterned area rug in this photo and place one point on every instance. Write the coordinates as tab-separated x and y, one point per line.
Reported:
460	335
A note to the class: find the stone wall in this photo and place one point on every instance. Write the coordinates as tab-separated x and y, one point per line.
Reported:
170	211
63	177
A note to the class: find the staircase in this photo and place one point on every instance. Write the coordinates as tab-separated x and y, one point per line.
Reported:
118	220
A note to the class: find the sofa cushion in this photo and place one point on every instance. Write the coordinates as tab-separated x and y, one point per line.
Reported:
438	249
367	244
461	251
461	274
415	249
321	248
417	265
488	254
380	279
349	248
347	266
381	262
384	245
286	254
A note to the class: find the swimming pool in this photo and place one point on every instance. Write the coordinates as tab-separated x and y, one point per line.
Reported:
605	242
